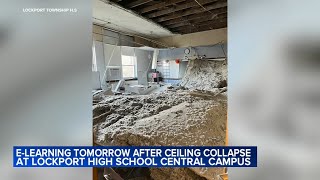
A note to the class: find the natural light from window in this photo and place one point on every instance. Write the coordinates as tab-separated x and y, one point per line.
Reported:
129	68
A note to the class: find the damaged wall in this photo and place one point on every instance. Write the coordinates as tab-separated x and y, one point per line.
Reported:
110	37
196	39
97	33
213	51
112	57
115	38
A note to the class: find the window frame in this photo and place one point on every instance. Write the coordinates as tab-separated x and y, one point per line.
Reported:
134	65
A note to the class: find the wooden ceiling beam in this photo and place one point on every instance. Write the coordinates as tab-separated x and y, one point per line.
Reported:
210	23
204	27
192	11
137	3
216	18
187	5
207	25
160	5
217	12
200	29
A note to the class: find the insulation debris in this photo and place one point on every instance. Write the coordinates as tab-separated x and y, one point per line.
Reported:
167	118
205	75
193	113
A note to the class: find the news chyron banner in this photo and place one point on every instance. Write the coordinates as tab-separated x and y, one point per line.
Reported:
135	156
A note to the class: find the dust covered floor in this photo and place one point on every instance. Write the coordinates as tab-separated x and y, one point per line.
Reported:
173	117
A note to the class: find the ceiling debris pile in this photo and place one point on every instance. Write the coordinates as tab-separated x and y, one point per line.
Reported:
206	75
173	117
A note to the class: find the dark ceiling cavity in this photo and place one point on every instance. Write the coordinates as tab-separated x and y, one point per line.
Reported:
181	16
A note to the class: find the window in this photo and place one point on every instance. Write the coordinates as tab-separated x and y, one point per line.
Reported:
129	67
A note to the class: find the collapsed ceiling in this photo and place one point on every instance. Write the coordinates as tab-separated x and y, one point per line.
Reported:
181	16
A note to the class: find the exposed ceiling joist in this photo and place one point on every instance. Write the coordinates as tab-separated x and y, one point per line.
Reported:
191	11
138	3
195	26
198	21
187	5
203	27
178	15
218	13
210	22
160	5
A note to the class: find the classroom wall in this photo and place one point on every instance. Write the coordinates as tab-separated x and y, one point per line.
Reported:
178	70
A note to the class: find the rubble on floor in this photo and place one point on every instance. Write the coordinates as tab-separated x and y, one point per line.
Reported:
172	117
194	113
